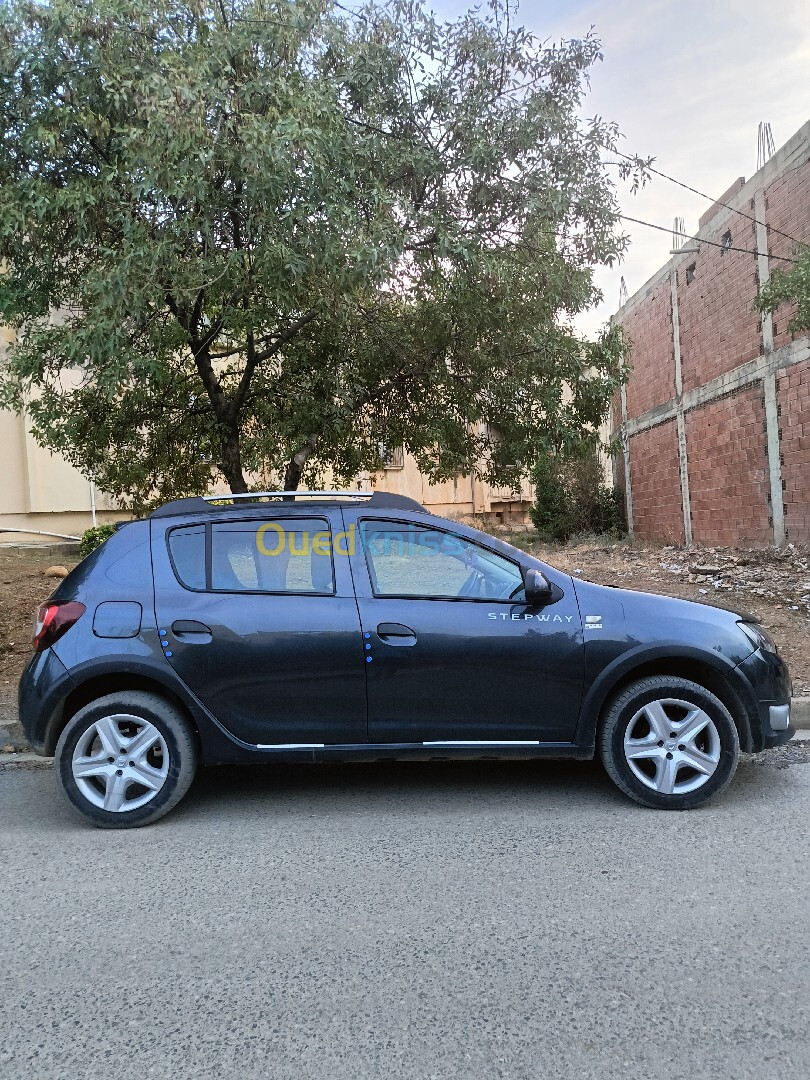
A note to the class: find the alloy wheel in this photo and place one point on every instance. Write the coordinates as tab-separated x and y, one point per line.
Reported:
120	763
672	746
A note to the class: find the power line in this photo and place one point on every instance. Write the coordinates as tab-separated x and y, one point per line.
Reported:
700	240
703	195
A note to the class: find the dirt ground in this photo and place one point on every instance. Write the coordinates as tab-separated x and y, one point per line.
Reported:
23	587
773	585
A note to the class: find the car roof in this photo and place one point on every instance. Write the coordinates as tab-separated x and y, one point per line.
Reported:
253	501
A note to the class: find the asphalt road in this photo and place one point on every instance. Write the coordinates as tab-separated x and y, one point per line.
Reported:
486	920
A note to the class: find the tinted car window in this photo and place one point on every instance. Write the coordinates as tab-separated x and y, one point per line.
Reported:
281	555
187	547
412	560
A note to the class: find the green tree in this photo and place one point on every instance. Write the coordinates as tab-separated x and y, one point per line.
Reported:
571	496
248	236
790	287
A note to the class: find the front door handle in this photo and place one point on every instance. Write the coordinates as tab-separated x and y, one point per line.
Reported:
192	631
394	633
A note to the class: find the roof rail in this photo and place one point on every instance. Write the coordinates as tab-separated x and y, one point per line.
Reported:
196	504
254	496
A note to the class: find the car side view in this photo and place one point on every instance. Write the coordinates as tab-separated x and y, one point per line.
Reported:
349	626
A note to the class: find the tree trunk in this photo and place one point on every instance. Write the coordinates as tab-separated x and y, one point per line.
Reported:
231	463
295	466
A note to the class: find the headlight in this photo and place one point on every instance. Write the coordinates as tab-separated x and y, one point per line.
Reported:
759	637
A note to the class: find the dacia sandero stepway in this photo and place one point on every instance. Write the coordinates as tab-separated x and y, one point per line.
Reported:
344	626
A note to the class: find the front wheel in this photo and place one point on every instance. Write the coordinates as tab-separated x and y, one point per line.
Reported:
668	743
125	760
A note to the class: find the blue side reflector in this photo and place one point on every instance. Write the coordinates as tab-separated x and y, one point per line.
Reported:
167	653
368	646
366	635
162	633
368	658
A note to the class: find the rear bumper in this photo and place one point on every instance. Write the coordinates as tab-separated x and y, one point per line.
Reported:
769	678
44	685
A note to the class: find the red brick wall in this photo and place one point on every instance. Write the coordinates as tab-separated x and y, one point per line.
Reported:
719	327
720	330
726	197
656	483
649	327
793	399
787	208
728	470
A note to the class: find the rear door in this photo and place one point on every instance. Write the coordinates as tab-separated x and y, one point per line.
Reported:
260	621
454	652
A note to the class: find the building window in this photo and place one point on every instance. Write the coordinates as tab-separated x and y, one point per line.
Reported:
690	273
392	457
726	242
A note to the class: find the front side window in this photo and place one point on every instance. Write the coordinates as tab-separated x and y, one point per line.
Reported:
280	555
411	560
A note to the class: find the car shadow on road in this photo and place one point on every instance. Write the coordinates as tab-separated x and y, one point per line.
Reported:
420	787
403	779
227	794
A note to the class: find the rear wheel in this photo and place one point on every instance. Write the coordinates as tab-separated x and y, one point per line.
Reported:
125	760
668	743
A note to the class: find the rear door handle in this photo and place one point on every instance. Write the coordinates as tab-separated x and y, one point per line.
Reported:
192	631
394	633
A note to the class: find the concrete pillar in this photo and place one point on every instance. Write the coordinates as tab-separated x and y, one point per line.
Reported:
683	460
628	490
769	382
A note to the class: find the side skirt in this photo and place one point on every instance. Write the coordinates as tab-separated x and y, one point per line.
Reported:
451	750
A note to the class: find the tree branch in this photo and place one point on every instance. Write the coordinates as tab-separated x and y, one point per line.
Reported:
282	339
255	358
213	387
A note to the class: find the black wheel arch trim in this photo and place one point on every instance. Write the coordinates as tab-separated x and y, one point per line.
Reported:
215	740
641	662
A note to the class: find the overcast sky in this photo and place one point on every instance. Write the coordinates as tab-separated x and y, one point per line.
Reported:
687	81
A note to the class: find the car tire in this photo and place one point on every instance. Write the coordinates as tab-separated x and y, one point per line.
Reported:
668	743
125	760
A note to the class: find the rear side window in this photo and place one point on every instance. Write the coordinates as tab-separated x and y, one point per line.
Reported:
282	555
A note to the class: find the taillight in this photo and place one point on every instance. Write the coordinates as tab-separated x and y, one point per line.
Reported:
54	617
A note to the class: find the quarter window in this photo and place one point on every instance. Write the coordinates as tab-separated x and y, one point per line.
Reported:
411	560
187	547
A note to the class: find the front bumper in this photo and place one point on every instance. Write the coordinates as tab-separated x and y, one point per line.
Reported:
779	717
768	676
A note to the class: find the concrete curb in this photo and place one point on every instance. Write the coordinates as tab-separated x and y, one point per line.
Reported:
70	548
30	762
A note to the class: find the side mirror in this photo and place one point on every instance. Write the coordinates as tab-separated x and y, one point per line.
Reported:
537	587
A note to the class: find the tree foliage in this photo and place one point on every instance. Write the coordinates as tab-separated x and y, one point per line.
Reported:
572	498
94	537
271	237
790	287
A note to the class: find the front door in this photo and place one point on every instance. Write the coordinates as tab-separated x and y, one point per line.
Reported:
260	622
455	654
